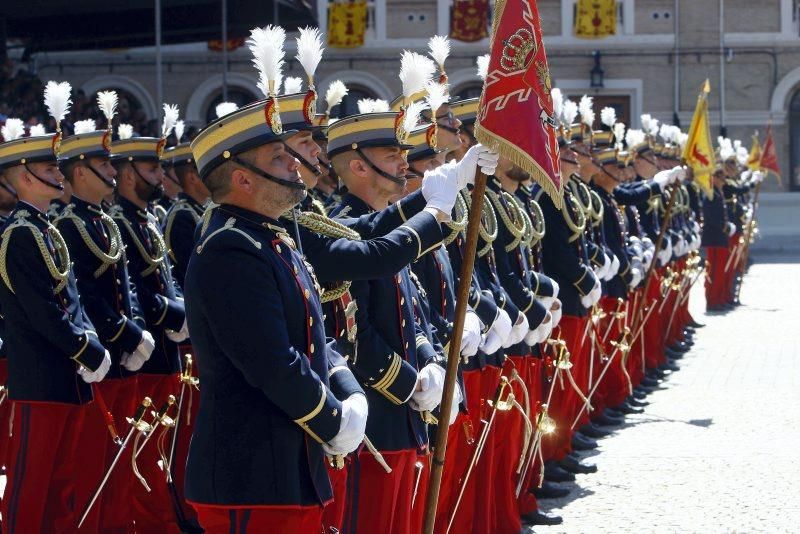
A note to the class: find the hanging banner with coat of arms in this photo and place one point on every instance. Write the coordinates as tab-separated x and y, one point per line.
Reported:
347	24
595	19
470	20
515	115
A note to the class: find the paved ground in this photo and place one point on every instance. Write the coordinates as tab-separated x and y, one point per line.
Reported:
717	449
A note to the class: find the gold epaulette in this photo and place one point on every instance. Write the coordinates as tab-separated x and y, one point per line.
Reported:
153	261
115	248
21	221
181	205
488	228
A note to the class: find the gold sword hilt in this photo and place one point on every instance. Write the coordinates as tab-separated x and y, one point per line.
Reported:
137	421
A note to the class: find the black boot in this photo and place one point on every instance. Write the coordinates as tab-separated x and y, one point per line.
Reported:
540	518
594	431
550	491
581	442
628	409
554	473
574	465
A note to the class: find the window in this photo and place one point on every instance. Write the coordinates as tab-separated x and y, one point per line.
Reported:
471	90
237	95
349	105
794	141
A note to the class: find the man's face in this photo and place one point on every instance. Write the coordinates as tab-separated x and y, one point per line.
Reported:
392	161
614	171
274	160
448	140
517	174
152	179
587	168
643	167
171	184
104	168
50	173
419	168
303	143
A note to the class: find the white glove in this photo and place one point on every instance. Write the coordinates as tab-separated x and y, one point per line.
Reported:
696	227
636	277
612	272
476	156
351	427
679	174
758	177
730	229
439	188
556	310
134	361
665	253
180	335
589	299
457	398
647	243
678	247
430	383
541	332
556	289
98	375
471	335
518	331
498	332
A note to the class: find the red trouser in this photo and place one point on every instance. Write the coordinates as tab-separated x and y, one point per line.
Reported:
536	381
716	283
241	520
112	508
484	470
565	403
45	460
461	442
653	331
509	432
333	514
614	387
381	501
156	511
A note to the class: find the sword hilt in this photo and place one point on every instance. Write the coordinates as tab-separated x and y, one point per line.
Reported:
136	420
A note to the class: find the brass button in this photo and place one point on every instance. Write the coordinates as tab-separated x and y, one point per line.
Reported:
402	300
278	248
310	321
406	344
306	293
403	323
312	348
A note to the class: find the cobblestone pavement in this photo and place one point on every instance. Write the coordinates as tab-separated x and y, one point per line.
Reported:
717	449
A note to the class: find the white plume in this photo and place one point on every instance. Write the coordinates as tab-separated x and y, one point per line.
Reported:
437	95
415	71
482	62
171	114
309	51
665	131
37	130
647	120
107	102
619	132
558	102
608	116
224	108
125	131
742	154
57	100
439	49
585	107
180	127
372	105
266	45
634	137
85	126
682	138
13	129
413	113
570	112
337	90
292	85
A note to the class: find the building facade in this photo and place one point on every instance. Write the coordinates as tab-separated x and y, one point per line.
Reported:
656	63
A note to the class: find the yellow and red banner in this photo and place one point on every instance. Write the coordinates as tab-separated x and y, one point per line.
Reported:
595	19
699	152
515	114
470	20
754	158
769	156
347	24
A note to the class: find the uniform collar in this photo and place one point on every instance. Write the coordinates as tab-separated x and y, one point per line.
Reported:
356	205
192	202
132	210
84	205
249	218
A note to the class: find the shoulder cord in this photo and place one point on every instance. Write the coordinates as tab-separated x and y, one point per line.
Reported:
458	224
61	277
115	242
488	229
578	226
157	259
597	209
181	205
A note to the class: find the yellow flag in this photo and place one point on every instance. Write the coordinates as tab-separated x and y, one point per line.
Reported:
754	159
699	152
595	19
347	24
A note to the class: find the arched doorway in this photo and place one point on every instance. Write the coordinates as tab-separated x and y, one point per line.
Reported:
794	141
238	95
349	105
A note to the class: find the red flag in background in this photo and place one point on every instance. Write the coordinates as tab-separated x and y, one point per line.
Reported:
769	157
515	117
470	20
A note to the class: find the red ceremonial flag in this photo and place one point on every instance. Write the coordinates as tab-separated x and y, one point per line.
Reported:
515	117
769	157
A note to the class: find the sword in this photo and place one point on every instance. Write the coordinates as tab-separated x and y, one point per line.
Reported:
159	418
137	426
479	447
187	380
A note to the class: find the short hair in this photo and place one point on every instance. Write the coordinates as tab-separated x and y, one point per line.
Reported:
218	180
182	172
341	162
68	167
